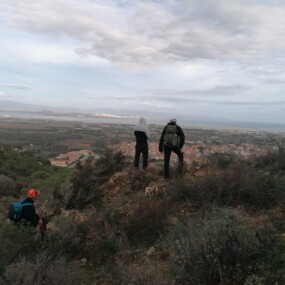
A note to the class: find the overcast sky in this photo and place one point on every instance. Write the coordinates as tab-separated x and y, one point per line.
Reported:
212	58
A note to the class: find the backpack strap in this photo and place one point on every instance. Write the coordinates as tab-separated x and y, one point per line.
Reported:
27	203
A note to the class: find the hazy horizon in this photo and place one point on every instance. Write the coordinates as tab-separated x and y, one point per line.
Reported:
111	116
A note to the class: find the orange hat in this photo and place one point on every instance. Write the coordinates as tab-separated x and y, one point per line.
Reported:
33	193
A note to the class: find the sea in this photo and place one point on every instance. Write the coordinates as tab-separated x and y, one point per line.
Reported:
272	127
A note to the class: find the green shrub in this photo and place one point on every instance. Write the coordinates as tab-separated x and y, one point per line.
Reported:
221	160
85	182
5	203
102	248
43	269
254	280
273	161
222	249
239	184
83	189
102	238
66	235
110	162
7	186
146	222
151	273
17	241
139	180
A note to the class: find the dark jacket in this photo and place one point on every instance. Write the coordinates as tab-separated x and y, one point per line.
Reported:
140	137
29	213
179	132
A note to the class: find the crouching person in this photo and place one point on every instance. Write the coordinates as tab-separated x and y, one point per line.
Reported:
24	212
29	215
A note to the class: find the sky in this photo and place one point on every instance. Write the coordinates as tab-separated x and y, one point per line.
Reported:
208	58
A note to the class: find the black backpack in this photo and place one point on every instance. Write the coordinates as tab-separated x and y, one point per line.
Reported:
15	210
170	138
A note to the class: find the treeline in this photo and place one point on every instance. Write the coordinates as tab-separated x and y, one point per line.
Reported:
22	170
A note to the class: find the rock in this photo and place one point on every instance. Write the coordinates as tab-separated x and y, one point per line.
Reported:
173	220
150	251
83	261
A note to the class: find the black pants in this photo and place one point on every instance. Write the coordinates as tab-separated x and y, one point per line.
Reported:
141	148
167	154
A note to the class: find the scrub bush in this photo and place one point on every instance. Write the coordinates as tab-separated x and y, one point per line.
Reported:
43	269
17	241
146	222
7	186
222	248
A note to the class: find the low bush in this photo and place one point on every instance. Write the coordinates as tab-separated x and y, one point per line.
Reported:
17	241
83	188
66	236
102	238
146	222
85	182
139	180
101	249
273	161
43	269
111	161
152	273
7	186
221	160
222	249
239	184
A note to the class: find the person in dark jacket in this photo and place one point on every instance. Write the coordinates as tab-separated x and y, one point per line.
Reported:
163	147
29	215
142	134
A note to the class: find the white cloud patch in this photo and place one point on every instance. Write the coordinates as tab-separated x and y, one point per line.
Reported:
3	94
161	32
16	86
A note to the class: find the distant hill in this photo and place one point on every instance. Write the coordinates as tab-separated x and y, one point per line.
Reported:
13	106
125	116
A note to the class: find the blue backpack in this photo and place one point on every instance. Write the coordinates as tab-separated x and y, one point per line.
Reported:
15	210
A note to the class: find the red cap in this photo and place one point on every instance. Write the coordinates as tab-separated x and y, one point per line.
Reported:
33	193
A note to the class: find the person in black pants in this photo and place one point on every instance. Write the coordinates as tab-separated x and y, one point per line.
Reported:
141	133
172	140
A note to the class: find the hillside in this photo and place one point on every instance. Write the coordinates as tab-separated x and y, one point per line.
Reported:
112	224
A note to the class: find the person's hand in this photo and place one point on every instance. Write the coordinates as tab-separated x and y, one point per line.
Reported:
40	222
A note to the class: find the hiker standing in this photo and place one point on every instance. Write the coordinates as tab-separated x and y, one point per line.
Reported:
172	139
142	134
28	213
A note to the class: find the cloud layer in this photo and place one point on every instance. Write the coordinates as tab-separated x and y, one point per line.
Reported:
157	32
199	56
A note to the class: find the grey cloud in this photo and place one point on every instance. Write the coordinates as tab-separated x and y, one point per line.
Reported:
174	97
16	86
274	81
236	103
156	32
216	91
267	104
110	98
268	72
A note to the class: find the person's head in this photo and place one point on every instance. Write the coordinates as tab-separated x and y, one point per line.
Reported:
173	120
142	121
34	194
